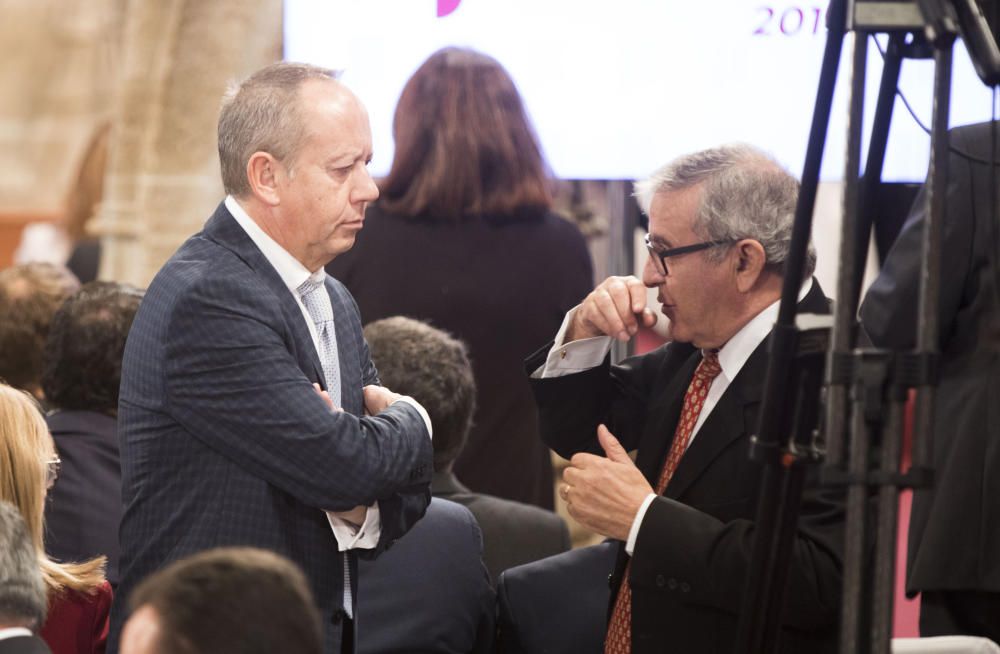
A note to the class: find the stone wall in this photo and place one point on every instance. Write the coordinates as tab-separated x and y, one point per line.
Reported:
156	69
163	179
59	80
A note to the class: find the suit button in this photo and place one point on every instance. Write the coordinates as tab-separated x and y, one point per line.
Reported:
610	577
672	584
685	587
660	581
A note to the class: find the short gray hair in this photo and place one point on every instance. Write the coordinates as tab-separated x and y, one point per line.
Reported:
263	115
746	194
23	600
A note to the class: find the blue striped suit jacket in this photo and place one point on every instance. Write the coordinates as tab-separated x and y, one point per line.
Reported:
224	440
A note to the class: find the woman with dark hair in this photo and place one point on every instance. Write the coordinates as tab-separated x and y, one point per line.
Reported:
463	237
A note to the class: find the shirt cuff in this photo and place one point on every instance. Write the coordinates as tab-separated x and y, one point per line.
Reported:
568	358
421	410
351	537
633	533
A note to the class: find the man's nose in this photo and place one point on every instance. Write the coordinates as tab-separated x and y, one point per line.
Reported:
651	277
367	189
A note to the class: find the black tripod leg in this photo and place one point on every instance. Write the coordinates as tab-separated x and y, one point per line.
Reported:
876	158
756	610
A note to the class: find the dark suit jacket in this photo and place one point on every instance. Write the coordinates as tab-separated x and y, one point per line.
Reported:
694	545
24	645
457	275
557	605
513	533
955	527
84	507
430	592
224	441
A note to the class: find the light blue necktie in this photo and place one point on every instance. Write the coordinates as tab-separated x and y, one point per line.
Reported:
317	303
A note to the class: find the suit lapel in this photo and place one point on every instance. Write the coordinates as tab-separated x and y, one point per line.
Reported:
224	230
659	435
726	423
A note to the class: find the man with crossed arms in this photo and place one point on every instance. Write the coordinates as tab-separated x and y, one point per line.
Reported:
250	411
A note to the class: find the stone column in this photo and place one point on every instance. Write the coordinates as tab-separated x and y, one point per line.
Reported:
163	180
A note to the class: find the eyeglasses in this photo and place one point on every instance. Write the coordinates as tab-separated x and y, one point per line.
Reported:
52	471
659	257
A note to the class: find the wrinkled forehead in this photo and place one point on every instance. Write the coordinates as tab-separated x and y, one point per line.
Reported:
672	213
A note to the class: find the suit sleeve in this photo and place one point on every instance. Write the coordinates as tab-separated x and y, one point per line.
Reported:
889	312
233	383
571	407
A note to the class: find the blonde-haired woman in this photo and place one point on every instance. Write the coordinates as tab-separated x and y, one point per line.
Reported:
79	595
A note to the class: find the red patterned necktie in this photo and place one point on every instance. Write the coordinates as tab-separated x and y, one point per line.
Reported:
619	638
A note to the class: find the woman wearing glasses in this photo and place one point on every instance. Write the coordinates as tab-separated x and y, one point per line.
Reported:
463	237
79	595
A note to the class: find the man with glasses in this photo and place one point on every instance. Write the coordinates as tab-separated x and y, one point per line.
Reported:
720	225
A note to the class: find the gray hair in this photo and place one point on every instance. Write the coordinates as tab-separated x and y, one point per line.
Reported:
23	601
263	115
746	194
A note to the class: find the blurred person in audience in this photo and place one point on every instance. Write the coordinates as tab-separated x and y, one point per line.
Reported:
250	412
434	368
30	294
66	242
463	237
430	592
720	223
23	600
235	600
78	594
80	380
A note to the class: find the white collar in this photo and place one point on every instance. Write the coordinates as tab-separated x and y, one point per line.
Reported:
734	354
290	269
14	632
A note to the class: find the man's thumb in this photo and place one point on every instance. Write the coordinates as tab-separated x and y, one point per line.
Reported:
612	448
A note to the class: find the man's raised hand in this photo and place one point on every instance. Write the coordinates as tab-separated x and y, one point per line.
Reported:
616	308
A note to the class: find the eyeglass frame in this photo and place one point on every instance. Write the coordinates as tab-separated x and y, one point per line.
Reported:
663	255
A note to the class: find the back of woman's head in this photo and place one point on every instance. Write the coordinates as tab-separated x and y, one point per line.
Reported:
25	448
464	144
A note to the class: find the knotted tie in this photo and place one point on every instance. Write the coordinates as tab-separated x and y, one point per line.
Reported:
619	638
317	303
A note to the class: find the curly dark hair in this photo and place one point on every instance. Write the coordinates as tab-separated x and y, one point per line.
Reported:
30	294
433	368
83	362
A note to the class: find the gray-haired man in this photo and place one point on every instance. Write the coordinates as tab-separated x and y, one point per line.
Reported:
719	231
23	602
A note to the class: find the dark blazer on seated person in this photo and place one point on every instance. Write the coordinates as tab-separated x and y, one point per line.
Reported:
84	507
513	532
557	605
693	549
24	645
430	592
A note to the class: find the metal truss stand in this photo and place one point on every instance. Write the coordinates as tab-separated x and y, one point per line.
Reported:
866	390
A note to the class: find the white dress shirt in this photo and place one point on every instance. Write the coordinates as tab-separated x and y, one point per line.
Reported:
293	274
567	358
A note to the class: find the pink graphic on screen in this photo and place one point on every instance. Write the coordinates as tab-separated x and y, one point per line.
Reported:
445	7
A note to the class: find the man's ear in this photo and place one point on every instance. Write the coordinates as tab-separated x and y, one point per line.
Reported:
263	171
750	262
